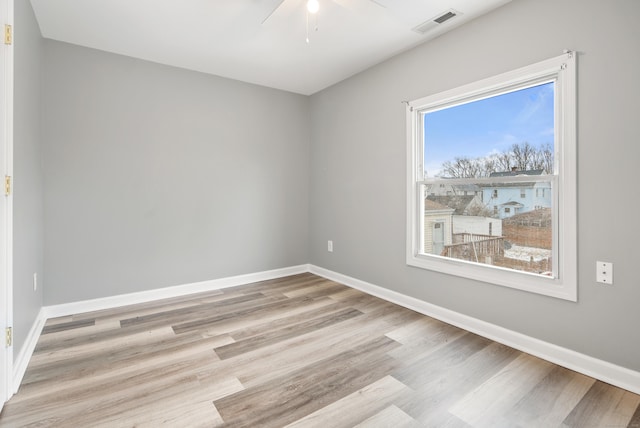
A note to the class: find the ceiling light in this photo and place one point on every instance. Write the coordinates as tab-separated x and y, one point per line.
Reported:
313	6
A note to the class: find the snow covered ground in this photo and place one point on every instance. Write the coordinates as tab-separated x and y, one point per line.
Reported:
525	253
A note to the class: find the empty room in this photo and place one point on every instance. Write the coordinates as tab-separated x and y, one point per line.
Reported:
332	213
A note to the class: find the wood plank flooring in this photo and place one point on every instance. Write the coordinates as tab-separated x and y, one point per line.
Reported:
300	351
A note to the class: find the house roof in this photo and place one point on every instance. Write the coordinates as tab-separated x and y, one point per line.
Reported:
513	174
458	203
512	204
467	187
517	172
430	205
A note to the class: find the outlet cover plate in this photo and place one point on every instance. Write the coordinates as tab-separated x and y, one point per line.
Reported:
604	272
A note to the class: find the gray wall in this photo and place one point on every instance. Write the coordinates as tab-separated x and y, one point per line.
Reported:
157	176
358	169
28	220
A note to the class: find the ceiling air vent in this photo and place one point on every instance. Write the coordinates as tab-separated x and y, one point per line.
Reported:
434	22
447	16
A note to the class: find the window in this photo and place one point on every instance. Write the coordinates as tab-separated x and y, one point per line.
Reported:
502	135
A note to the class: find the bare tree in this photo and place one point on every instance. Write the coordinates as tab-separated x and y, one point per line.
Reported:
537	162
489	165
461	167
503	161
543	159
522	156
547	154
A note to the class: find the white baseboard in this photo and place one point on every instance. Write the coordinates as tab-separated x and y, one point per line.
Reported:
22	361
596	368
110	302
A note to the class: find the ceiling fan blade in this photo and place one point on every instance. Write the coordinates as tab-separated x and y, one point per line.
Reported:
366	10
378	3
273	11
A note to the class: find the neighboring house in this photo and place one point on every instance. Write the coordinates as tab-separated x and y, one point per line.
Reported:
447	221
463	205
477	225
444	189
438	226
507	199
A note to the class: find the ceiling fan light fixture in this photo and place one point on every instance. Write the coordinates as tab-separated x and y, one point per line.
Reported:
313	6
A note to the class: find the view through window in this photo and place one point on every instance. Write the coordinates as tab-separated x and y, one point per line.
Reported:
488	180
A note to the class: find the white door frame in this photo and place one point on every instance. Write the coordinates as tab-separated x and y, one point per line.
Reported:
6	206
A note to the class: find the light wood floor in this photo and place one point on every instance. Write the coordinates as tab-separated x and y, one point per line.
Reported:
300	351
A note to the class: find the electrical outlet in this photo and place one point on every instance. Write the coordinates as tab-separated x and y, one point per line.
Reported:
604	272
35	281
330	246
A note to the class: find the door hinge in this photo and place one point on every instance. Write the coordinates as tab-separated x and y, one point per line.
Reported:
8	34
9	335
7	185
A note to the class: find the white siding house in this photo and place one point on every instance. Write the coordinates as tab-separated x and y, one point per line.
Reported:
437	227
477	225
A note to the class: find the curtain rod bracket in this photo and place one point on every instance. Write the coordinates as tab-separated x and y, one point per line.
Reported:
408	105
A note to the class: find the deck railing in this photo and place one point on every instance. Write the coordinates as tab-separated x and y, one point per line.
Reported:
474	247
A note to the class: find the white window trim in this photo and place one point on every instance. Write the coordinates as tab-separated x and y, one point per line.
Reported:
562	70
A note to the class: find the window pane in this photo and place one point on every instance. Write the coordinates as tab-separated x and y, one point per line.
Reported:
514	233
500	224
511	131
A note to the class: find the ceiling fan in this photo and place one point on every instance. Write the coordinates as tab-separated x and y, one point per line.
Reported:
313	6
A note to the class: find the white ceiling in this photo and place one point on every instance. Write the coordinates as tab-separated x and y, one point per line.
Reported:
244	40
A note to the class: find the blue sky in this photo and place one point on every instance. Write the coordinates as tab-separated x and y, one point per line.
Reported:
489	126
